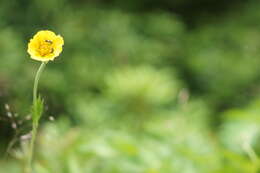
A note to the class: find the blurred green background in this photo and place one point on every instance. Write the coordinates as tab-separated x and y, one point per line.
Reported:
142	86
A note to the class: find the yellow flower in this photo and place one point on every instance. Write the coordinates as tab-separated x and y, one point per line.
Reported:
45	46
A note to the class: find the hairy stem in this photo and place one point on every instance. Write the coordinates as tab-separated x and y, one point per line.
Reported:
35	117
36	81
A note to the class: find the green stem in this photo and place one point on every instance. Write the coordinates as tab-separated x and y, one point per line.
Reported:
36	81
35	118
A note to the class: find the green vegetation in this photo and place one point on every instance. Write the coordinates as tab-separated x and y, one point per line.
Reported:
158	88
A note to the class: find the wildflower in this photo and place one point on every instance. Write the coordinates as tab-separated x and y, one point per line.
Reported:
45	46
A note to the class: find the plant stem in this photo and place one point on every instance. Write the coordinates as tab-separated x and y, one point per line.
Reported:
36	81
35	118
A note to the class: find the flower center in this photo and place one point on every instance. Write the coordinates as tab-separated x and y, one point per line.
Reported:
46	48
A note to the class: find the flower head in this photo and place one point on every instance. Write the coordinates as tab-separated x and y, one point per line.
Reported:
45	46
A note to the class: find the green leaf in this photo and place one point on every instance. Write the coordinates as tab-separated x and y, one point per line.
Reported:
37	109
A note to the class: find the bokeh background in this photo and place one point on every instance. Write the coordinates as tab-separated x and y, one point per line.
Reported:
142	86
